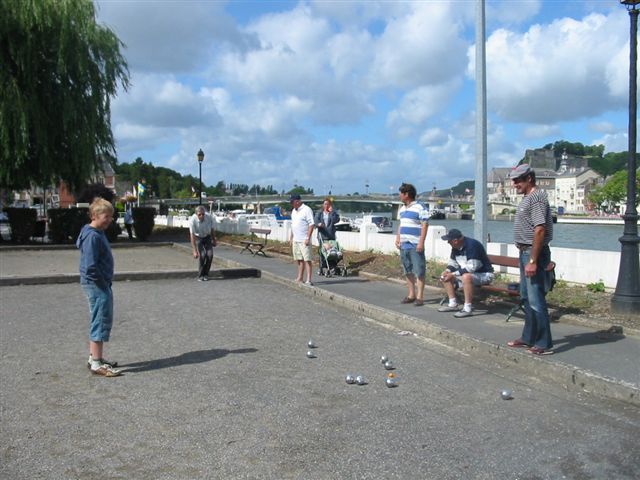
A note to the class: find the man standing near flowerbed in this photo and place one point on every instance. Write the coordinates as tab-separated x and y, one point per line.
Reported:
410	241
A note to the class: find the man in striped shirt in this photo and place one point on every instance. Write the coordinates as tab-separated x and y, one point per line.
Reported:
532	231
410	241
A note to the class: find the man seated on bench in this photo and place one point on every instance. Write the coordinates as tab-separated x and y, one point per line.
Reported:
468	266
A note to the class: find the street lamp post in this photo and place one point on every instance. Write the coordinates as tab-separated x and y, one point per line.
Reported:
626	299
200	160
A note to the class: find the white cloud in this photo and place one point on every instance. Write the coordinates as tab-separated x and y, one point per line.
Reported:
422	47
541	131
301	57
613	142
602	127
169	36
336	93
420	104
506	11
561	71
433	137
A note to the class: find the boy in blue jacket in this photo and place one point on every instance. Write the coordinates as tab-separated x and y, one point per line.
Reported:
96	275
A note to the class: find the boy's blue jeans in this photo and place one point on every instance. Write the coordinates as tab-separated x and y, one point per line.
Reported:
100	311
533	291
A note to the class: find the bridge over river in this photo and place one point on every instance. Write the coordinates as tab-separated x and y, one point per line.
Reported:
342	202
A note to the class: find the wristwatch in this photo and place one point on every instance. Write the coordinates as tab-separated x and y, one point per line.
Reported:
532	261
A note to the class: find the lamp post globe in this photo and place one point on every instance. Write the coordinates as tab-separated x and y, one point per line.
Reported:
200	156
626	299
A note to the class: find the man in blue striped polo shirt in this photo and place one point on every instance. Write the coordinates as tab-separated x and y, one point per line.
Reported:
410	241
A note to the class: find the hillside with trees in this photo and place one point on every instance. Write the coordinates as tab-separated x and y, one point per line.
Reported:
163	182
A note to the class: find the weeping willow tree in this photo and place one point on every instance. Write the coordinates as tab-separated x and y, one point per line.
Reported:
58	72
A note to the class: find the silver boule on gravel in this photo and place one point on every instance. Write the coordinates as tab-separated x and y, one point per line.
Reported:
391	382
506	394
389	365
310	354
311	344
360	380
384	359
350	379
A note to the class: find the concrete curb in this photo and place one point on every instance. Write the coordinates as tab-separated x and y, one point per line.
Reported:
220	274
569	376
68	246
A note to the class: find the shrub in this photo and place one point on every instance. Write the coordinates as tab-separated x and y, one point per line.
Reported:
143	220
22	222
596	286
65	223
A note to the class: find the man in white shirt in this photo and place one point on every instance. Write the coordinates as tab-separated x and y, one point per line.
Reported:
201	232
301	230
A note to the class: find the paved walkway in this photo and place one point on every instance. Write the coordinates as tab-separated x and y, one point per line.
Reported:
601	362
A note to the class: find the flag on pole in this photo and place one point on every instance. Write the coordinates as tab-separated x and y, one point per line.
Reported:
141	188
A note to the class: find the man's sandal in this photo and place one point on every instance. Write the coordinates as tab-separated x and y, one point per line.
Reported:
517	343
539	351
408	300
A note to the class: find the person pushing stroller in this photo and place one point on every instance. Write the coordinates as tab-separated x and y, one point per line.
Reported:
325	221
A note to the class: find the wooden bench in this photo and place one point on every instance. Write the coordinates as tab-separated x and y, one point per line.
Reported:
504	261
256	244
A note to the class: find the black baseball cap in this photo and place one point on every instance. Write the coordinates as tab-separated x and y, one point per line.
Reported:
453	234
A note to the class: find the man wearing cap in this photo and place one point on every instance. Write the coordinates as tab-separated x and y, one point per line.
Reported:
410	241
300	237
532	231
468	266
203	239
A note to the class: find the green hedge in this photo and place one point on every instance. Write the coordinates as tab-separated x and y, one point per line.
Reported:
143	220
22	222
65	223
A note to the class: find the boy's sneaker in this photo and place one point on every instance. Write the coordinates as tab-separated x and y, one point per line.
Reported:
463	314
105	370
102	361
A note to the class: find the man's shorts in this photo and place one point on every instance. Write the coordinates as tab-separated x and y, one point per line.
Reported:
413	262
484	278
301	251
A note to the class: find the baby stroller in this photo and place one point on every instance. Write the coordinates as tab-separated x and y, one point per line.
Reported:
331	258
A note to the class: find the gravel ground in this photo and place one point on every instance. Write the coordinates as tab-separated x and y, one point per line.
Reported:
217	385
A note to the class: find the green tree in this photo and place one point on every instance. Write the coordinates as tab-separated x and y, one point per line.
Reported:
164	186
58	72
611	163
300	190
613	192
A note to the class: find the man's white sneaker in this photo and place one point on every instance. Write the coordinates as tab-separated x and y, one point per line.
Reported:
449	308
463	314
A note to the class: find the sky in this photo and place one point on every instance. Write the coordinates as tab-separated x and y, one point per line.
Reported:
359	96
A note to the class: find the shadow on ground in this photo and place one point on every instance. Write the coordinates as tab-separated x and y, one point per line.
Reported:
199	356
582	339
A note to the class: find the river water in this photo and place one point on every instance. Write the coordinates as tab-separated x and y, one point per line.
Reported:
566	235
